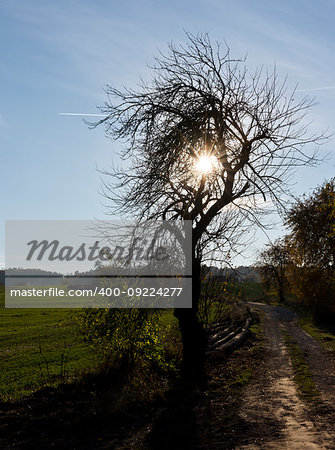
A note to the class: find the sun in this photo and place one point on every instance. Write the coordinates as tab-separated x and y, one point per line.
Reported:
205	164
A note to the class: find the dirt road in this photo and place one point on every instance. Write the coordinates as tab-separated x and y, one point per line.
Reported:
274	416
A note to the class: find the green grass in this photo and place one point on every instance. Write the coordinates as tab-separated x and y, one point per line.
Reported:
325	337
320	333
257	330
250	290
37	348
302	373
40	347
242	378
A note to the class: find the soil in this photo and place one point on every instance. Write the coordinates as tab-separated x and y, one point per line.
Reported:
265	412
275	415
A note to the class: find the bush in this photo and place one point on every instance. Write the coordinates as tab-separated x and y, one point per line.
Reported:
130	337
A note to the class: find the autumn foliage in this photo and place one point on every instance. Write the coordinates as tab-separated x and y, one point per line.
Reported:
303	262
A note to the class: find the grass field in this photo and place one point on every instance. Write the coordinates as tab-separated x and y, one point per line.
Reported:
41	347
38	348
250	290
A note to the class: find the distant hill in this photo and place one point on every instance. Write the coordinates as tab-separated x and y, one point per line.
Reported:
29	277
242	273
247	273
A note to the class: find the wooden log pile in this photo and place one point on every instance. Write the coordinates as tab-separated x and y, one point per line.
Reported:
225	338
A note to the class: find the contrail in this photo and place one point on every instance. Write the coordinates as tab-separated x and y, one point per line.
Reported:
82	114
325	88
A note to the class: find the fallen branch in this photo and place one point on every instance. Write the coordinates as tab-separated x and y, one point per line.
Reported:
221	350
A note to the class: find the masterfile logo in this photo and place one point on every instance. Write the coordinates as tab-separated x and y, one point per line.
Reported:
98	264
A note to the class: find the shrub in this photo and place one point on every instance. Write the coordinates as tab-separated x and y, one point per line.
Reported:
129	337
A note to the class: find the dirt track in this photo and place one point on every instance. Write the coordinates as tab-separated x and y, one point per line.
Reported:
273	414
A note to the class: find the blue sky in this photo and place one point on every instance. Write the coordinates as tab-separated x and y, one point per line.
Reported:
57	56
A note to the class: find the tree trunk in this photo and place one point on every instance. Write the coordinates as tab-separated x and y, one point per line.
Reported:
193	335
281	294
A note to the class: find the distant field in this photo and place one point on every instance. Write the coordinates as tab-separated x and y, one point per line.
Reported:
38	347
250	290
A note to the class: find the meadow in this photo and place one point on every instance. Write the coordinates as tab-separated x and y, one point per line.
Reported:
42	347
39	347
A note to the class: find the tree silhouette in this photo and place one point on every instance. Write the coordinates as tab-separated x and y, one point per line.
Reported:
273	263
311	221
205	138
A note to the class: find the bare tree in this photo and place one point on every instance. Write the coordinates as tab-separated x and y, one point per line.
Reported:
205	139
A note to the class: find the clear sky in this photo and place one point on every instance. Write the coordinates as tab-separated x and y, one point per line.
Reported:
57	56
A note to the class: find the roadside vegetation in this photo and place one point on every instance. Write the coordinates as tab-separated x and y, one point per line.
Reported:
302	373
323	334
300	267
